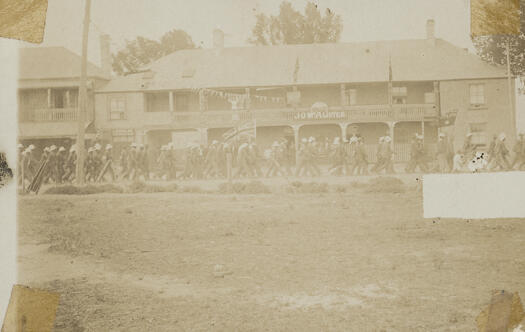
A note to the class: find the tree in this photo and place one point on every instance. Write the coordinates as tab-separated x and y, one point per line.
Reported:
492	48
141	51
292	27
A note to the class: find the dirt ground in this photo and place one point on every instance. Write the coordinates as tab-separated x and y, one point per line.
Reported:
353	261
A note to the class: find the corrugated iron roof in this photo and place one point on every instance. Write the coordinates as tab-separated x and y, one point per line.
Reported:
411	60
53	63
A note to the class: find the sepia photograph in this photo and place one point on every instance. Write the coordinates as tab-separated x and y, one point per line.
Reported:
260	166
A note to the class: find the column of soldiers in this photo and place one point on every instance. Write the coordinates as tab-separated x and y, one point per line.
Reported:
346	157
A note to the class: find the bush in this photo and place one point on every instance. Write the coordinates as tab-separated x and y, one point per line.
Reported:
252	187
385	184
297	187
84	190
192	189
142	187
136	187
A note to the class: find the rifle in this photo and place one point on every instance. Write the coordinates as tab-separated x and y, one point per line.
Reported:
38	178
103	171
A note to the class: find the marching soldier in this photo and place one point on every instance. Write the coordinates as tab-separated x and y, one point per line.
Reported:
386	155
253	158
311	157
242	161
164	163
519	149
107	159
337	155
469	149
350	156
501	154
70	165
89	165
417	155
442	153
124	166
361	157
20	157
60	164
301	164
212	167
379	155
132	161
274	166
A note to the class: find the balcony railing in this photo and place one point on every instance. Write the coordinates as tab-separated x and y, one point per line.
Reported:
52	115
374	113
55	114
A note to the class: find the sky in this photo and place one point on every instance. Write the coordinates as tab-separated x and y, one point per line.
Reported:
363	20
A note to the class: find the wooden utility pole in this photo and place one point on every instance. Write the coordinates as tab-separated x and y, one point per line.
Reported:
511	91
82	97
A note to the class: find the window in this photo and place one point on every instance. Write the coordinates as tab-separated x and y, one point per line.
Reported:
479	135
351	97
117	108
181	103
399	91
477	94
157	102
399	95
430	98
123	135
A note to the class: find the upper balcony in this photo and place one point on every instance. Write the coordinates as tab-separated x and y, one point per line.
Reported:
52	115
289	116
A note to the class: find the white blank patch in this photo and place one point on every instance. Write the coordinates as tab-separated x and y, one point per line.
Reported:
476	196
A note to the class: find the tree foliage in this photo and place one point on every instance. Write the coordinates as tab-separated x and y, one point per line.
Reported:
492	48
141	51
293	27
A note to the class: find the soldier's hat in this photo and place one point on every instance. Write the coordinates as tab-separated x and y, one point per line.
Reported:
97	146
311	139
61	149
109	146
52	148
353	139
388	139
381	139
502	136
31	147
73	148
133	145
20	146
46	149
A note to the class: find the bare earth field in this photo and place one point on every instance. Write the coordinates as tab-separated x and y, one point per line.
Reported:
353	261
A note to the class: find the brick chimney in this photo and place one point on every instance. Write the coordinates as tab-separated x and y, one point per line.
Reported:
105	56
431	37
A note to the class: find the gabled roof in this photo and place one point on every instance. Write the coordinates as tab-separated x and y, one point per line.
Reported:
53	63
411	60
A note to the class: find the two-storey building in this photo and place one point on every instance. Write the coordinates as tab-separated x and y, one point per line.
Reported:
373	89
48	86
